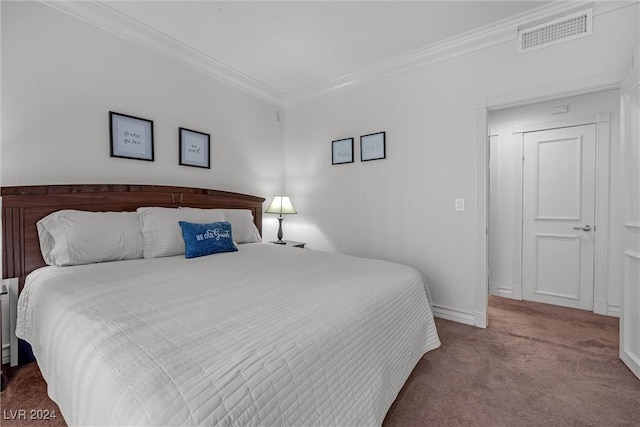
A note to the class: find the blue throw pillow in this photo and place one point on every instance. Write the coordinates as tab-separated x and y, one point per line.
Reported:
206	239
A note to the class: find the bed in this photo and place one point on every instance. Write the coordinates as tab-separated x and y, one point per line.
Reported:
259	335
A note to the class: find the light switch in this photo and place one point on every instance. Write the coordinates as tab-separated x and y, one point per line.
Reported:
459	204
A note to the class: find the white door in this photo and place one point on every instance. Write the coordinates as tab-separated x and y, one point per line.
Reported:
630	165
558	216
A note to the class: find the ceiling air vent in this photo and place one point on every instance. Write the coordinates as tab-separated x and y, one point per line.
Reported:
559	30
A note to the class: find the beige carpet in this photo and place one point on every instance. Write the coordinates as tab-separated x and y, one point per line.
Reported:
536	365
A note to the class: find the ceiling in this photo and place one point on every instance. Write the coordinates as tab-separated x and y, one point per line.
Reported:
291	46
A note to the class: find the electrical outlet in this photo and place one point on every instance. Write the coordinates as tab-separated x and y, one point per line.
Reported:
459	204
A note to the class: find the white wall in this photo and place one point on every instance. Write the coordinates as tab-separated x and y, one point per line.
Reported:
402	208
60	79
506	170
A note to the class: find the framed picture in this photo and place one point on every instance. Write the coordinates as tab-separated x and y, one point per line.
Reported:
195	148
372	147
131	137
342	151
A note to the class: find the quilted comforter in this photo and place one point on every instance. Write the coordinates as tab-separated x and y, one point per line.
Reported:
267	335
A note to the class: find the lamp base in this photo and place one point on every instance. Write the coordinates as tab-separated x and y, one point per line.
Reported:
280	242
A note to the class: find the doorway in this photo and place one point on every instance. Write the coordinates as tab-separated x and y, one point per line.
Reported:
548	202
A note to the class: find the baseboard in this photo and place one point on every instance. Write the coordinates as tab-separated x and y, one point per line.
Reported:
500	291
600	306
613	310
603	308
454	315
480	319
6	354
505	292
494	288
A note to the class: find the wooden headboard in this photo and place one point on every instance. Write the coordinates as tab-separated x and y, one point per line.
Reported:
23	207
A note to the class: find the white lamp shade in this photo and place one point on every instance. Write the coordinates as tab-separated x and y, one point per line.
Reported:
281	205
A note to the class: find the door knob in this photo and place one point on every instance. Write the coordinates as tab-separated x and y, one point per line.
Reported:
585	228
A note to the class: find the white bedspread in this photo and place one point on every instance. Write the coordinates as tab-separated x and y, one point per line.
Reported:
264	336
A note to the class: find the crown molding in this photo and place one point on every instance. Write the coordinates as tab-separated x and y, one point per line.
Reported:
401	64
108	19
496	33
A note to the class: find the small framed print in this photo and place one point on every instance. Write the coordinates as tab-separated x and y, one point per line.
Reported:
195	148
342	151
372	146
131	137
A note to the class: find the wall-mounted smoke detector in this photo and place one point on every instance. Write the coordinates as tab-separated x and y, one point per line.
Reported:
560	30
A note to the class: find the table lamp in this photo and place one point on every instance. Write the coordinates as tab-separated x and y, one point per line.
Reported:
281	205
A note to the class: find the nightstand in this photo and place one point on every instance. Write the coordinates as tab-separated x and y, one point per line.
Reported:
3	378
291	243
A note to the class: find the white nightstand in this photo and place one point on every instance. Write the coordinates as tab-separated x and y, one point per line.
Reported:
12	287
3	294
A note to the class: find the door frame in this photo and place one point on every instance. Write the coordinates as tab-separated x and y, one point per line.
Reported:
602	121
496	102
630	225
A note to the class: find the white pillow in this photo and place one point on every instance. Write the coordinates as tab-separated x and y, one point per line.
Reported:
161	231
71	237
242	227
